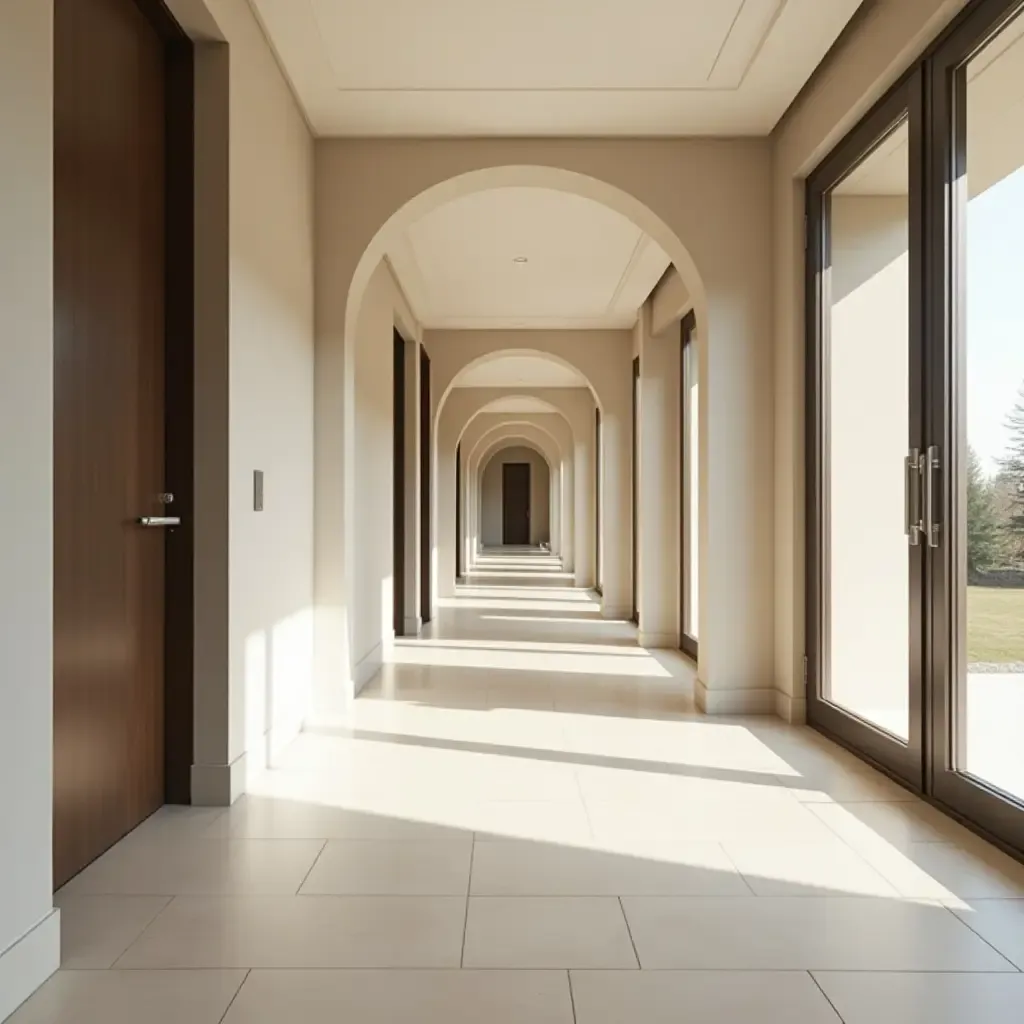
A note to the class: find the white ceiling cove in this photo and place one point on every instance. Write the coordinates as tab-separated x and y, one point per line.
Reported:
586	266
549	67
521	372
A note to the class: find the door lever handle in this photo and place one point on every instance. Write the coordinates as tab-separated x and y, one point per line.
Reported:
159	521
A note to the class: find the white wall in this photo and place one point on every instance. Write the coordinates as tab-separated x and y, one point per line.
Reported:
491	496
29	926
268	399
865	62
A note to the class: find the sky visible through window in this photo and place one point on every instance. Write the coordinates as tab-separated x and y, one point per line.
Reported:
995	314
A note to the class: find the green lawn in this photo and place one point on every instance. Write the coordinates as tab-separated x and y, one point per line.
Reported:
995	624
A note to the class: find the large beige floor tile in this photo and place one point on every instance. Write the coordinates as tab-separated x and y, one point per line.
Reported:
698	997
390	997
946	872
926	998
806	869
540	820
198	866
784	820
364	867
255	817
303	932
998	922
546	869
674	786
896	824
840	784
131	997
96	930
804	933
527	933
174	822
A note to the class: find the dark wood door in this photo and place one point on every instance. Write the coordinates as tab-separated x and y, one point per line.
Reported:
398	487
109	201
515	503
426	551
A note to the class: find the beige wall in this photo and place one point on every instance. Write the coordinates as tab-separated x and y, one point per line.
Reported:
29	926
864	63
491	495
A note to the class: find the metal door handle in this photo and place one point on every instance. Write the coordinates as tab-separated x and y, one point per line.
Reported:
911	480
929	525
159	521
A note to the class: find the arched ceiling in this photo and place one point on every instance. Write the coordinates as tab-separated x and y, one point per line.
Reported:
538	67
520	371
526	258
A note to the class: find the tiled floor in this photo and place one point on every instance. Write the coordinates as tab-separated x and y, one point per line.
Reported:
527	823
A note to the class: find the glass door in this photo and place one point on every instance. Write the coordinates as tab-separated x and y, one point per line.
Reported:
865	429
974	487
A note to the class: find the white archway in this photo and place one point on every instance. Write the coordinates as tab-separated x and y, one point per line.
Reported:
481	439
515	440
681	197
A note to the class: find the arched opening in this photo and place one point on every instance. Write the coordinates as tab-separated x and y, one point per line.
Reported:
343	573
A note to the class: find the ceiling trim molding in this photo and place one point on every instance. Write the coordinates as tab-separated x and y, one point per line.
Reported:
628	270
410	283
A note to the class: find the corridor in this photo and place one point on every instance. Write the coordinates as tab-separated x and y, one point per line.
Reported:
528	822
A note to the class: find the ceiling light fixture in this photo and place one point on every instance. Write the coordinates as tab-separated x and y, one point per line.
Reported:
520	259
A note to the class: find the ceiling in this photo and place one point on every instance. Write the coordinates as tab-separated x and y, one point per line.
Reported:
549	67
518	404
586	266
520	371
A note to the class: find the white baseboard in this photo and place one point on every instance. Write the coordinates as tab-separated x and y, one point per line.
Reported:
658	641
219	785
734	702
367	667
413	624
613	614
791	709
28	963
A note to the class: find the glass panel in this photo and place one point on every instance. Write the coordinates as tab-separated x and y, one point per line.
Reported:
691	410
990	591
866	391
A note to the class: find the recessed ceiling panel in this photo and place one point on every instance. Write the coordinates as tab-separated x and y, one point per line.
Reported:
526	257
457	45
549	67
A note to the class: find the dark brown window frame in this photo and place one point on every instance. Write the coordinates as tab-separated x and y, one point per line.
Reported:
688	644
937	152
